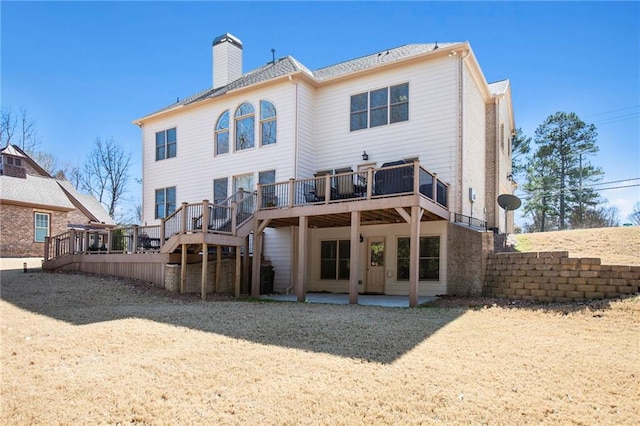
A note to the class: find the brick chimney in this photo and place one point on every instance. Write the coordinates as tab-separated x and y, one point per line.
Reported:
227	60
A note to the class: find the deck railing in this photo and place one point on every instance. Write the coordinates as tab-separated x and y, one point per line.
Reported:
404	179
471	222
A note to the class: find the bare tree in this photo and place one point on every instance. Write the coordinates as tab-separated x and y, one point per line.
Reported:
634	217
18	129
106	173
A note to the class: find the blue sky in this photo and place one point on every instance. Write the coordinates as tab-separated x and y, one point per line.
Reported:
88	69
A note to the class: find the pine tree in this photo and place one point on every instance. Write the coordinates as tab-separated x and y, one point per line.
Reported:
559	173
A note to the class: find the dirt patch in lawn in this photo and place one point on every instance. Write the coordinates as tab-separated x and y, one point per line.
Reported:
90	350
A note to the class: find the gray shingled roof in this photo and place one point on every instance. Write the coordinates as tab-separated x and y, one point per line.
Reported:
35	190
370	61
89	202
288	65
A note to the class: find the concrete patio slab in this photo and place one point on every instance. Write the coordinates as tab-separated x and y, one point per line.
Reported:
343	299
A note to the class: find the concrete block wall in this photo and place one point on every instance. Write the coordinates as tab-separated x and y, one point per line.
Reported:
555	277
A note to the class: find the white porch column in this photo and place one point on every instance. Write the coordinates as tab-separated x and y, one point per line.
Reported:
355	262
302	258
414	256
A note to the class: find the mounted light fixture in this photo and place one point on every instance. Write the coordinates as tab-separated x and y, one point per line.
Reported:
361	238
365	156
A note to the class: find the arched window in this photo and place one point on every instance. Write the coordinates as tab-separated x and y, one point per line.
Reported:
222	134
267	123
245	124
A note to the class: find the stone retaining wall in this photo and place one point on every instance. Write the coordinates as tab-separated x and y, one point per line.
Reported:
555	277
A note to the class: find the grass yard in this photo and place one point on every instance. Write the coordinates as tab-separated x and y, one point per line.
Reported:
89	350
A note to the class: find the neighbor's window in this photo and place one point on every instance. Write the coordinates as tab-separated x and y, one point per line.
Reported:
165	202
166	144
245	122
334	259
41	227
429	258
222	134
267	123
380	107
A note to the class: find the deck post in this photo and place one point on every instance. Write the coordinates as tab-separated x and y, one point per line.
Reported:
47	240
162	228
234	217
236	290
369	182
246	265
183	222
72	241
354	272
218	267
205	216
292	192
109	234
136	231
414	256
86	242
183	269
205	265
257	259
327	188
434	188
302	257
416	177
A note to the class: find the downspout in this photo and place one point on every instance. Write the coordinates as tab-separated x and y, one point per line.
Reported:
292	271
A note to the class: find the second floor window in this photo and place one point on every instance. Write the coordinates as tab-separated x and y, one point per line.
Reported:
379	107
222	134
166	144
165	202
267	123
245	122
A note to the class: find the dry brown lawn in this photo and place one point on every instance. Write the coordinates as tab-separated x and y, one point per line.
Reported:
615	246
89	350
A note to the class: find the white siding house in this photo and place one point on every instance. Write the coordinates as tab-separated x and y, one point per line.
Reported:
423	103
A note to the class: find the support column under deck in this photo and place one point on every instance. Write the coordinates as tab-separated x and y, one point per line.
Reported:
302	258
183	269
205	265
414	256
354	266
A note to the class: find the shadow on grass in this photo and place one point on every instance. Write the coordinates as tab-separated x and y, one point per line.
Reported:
373	334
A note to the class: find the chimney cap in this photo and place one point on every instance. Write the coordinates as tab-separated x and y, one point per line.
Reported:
226	37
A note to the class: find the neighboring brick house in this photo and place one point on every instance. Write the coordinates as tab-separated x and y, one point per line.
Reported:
34	205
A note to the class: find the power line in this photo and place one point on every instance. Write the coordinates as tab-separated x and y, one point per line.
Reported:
549	193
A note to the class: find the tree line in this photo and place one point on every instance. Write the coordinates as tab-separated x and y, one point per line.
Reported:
104	174
559	178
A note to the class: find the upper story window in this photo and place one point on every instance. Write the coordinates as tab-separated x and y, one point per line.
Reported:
245	123
166	144
380	107
222	134
165	202
267	123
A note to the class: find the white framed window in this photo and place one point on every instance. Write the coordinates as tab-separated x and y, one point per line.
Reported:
166	144
165	202
245	119
268	120
335	257
41	225
429	259
380	107
222	134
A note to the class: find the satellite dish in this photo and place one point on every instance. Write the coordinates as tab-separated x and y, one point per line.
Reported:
509	202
